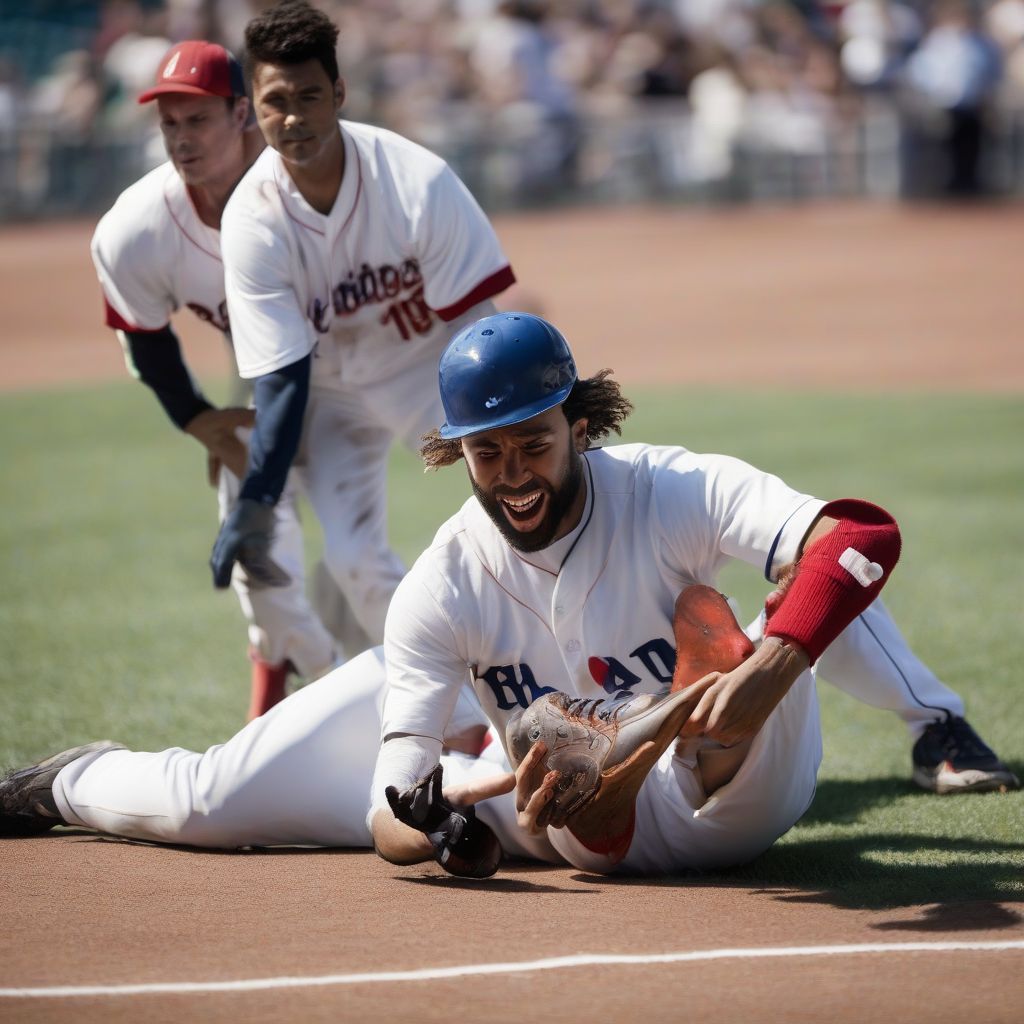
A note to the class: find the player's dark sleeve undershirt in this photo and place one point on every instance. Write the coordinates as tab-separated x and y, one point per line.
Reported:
280	399
156	356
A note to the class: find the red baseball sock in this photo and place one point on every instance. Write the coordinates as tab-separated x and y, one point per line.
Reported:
268	686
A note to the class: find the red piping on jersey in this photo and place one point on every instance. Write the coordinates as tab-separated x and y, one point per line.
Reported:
534	565
302	223
487	288
118	323
501	586
359	187
355	201
181	228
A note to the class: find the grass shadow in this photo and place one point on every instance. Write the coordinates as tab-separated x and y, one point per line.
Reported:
840	801
880	871
834	858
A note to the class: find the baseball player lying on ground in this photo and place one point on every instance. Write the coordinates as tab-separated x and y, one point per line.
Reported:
535	615
554	589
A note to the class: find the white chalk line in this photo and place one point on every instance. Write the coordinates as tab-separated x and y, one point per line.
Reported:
469	970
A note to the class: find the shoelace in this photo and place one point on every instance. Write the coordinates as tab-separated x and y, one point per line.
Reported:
590	708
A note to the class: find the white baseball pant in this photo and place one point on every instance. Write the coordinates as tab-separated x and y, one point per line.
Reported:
298	775
282	624
872	662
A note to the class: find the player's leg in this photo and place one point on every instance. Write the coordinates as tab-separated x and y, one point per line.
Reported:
679	827
299	774
285	634
342	464
872	661
334	611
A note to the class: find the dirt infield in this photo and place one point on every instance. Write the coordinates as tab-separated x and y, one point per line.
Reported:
834	297
85	911
843	297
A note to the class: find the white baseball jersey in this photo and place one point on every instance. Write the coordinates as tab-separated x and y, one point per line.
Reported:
154	256
371	285
657	519
599	623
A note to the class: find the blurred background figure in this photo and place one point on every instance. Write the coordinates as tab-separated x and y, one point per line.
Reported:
955	72
554	101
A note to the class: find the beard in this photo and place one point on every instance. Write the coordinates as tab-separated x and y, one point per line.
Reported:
559	499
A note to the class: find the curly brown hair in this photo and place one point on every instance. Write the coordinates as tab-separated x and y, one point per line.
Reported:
292	33
598	399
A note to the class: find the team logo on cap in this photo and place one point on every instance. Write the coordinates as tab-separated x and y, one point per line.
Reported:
171	65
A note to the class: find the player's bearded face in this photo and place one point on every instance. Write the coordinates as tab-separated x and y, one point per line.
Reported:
530	485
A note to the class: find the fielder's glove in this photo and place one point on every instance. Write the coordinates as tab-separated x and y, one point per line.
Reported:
463	845
245	537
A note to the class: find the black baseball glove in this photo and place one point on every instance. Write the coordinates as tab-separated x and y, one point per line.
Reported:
463	845
245	536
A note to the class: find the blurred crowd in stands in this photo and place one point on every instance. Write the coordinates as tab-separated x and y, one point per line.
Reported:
539	100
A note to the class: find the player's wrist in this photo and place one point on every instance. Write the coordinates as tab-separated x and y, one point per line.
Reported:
785	653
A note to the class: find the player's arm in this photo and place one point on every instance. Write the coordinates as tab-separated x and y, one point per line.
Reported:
273	342
280	398
131	266
412	816
843	561
462	259
154	357
424	819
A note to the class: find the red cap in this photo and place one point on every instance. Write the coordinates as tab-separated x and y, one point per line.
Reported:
198	68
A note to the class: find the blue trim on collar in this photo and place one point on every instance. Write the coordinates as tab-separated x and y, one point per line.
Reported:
775	543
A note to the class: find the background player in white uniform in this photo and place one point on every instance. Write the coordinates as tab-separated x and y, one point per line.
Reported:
158	251
561	574
351	256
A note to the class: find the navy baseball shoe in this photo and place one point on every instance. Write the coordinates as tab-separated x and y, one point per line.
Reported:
27	807
950	757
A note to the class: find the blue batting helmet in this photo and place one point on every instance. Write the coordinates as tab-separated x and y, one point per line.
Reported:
502	370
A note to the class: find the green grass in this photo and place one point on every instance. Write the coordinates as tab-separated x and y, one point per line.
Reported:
109	625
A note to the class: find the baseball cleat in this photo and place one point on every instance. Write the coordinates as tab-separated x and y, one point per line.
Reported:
27	807
950	757
586	737
708	637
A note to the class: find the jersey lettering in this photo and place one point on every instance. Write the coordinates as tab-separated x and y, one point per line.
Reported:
218	319
658	657
613	676
513	686
371	286
411	314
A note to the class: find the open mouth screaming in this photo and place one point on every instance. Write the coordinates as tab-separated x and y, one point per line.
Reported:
524	511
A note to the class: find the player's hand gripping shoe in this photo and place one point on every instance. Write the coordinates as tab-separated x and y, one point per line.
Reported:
595	744
27	807
586	738
950	757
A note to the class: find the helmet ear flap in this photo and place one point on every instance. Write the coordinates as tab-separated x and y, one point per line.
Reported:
503	369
